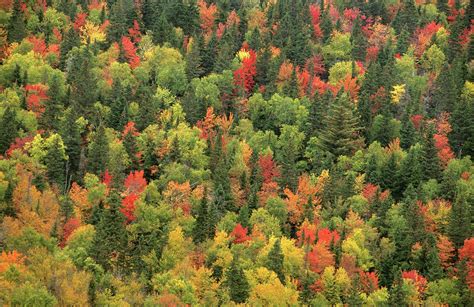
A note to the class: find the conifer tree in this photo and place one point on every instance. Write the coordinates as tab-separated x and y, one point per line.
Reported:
340	135
8	129
71	136
193	60
17	24
98	152
71	40
460	221
201	228
237	282
111	236
55	161
407	131
431	163
275	260
358	41
53	105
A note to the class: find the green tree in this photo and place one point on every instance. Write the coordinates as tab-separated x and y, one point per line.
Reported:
275	260
53	105
71	39
340	134
55	161
288	153
237	282
17	24
71	136
8	129
98	152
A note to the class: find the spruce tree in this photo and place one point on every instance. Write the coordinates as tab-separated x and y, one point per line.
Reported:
17	24
407	131
340	135
201	228
71	40
55	161
99	152
431	163
237	282
71	136
358	41
460	220
275	260
53	105
8	129
110	239
193	60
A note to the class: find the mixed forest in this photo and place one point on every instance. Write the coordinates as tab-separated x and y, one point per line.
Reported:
226	152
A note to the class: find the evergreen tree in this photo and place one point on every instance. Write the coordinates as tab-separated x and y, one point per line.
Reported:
460	221
71	137
193	60
110	240
71	40
119	105
201	228
17	24
407	131
340	135
162	30
53	105
98	152
431	163
275	260
8	129
237	282
442	6
55	161
462	123
446	92
358	41
398	295
291	88
121	17
403	41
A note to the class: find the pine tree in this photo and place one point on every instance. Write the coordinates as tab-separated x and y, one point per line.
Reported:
201	228
275	260
53	105
71	40
358	41
98	153
193	60
340	135
17	25
71	137
110	240
431	163
55	161
8	129
237	282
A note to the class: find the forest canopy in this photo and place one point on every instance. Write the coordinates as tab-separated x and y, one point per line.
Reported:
236	152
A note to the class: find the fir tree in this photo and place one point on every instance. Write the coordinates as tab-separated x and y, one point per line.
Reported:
358	41
201	228
17	25
275	260
8	129
109	244
407	131
71	40
53	105
71	137
340	135
431	163
460	221
237	282
98	153
55	161
193	60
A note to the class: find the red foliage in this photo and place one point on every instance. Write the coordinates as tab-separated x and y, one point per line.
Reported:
419	281
443	126
326	236
10	258
303	81
207	124
319	86
128	207
423	37
207	14
80	21
369	192
134	32
130	52
240	234
446	251
244	76
416	120
315	13
130	129
68	228
269	169
6	5
39	45
372	53
315	65
135	183
467	253
35	95
307	233
19	143
107	180
320	257
369	281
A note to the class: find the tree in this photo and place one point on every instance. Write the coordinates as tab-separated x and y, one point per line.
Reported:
289	146
340	135
237	282
275	260
98	152
71	136
193	60
110	239
359	42
431	163
201	228
71	39
55	161
17	25
53	105
8	129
